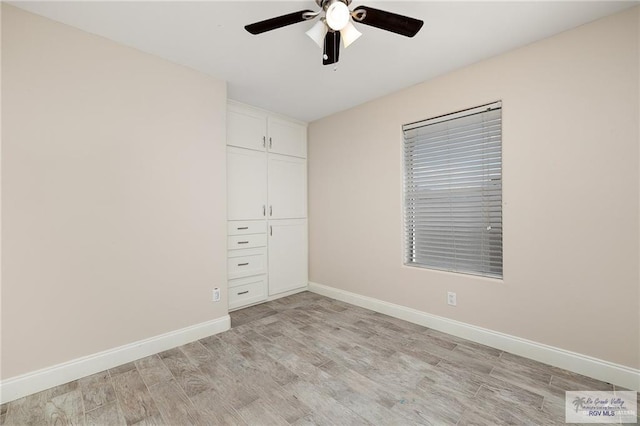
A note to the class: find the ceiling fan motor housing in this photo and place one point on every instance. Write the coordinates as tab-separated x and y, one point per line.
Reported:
324	4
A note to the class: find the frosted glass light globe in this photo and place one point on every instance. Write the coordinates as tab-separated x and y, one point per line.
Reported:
338	15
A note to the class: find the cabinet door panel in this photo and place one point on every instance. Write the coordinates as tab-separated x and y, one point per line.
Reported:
246	184
287	255
287	187
246	129
287	138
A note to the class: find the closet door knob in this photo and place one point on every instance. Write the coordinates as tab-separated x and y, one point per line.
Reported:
264	141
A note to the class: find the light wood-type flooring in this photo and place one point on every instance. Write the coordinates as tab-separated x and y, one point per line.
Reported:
310	360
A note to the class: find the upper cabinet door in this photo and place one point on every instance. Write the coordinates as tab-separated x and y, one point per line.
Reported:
246	184
287	187
246	129
288	138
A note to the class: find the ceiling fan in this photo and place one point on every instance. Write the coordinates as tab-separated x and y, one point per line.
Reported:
336	25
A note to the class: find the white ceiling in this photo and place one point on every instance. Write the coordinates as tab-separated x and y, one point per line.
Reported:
282	70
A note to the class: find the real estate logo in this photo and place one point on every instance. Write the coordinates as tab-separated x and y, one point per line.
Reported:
601	407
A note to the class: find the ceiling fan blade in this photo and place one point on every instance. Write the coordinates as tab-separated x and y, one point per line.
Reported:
331	48
393	22
277	22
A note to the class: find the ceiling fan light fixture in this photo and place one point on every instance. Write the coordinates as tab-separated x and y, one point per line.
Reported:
338	15
349	34
317	33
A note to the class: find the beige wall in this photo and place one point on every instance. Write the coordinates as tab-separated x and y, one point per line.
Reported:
571	194
113	194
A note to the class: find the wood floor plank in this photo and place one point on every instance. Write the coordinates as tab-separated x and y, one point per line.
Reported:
97	390
569	382
528	379
258	312
372	389
187	375
107	414
492	406
153	370
510	395
257	323
210	365
268	365
134	399
303	351
260	412
65	409
214	411
173	404
326	410
234	389
467	361
430	347
491	357
197	353
286	404
122	368
28	410
358	402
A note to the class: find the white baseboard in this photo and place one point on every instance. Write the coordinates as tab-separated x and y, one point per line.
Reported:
582	364
36	381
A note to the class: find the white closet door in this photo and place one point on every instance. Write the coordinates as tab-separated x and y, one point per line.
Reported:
287	138
287	187
246	129
246	184
287	255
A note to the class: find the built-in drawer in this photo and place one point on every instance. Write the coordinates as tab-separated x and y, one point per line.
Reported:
243	227
245	291
244	263
235	242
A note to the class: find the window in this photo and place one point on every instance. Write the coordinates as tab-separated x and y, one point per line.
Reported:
453	192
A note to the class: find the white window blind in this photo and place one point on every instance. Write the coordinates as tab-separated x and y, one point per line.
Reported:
453	192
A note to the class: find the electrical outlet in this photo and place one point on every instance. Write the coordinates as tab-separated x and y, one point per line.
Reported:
451	298
216	294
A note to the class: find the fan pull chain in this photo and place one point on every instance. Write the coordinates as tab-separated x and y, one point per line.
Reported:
336	45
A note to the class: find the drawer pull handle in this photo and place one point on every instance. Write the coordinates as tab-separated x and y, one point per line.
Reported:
243	292
243	264
242	228
243	242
